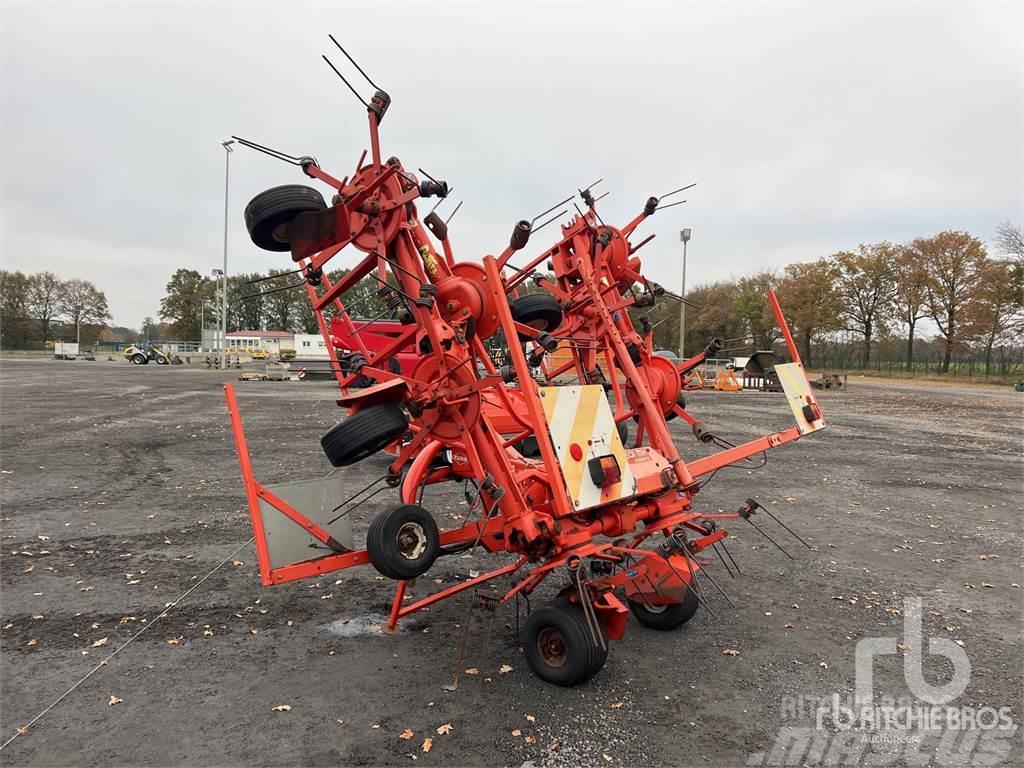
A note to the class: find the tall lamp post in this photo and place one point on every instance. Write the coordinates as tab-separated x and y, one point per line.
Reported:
78	323
224	295
685	237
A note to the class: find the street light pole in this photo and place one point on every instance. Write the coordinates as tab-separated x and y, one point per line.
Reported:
685	237
78	323
224	295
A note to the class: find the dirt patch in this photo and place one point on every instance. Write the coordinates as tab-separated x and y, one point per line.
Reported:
121	490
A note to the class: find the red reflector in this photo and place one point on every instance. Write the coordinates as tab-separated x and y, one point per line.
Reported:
576	451
612	473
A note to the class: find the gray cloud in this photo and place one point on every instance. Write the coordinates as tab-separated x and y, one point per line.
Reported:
809	127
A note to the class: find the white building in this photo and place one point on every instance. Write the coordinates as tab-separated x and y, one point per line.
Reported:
310	346
245	341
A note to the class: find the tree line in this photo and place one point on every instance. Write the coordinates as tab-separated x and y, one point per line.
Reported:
40	307
878	292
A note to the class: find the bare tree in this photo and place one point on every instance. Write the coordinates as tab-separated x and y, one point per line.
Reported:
44	300
867	287
81	300
954	263
1009	241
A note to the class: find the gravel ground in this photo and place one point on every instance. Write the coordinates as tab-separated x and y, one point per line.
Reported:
120	490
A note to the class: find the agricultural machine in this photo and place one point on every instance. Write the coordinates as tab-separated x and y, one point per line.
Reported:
549	477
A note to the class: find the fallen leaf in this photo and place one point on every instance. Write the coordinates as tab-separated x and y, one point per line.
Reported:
787	626
517	732
174	640
427	744
283	708
114	700
531	718
406	734
31	642
98	643
237	562
505	669
472	671
444	730
903	646
529	739
607	757
22	731
823	664
730	652
617	705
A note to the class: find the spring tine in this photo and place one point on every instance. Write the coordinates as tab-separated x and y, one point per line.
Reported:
462	649
791	531
601	197
556	216
716	585
276	274
670	205
549	210
346	82
761	531
441	200
731	559
677	191
717	552
452	216
591	186
699	590
487	644
354	63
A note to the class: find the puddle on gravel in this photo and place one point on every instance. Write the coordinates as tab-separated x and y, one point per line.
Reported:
357	626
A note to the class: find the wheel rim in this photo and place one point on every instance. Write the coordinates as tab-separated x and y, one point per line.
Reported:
412	541
552	647
655	608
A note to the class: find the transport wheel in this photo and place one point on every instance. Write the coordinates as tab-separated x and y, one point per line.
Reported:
681	402
558	645
266	213
666	617
403	542
623	430
139	359
364	433
537	310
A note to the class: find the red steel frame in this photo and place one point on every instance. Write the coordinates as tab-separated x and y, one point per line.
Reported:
455	408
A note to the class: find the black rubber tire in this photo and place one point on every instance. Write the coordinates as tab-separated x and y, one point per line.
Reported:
623	430
139	359
528	447
565	626
363	434
671	617
388	531
279	205
538	310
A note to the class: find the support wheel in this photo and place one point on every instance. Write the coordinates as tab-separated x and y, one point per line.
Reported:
268	214
403	542
665	618
559	647
139	359
537	310
364	433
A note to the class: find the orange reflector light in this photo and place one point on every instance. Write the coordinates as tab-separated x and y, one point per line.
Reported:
604	470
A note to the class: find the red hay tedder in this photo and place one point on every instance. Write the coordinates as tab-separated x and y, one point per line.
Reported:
552	479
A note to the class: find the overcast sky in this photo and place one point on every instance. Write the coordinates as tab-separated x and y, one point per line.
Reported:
808	127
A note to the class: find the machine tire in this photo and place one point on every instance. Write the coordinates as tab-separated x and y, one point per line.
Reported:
139	359
623	429
558	645
681	402
279	205
403	542
670	617
537	310
364	433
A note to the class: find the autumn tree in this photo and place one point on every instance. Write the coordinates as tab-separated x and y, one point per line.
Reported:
753	311
810	301
182	303
954	263
910	303
711	315
866	288
994	308
15	327
245	302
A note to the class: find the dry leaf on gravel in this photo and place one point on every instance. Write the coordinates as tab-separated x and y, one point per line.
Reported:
517	732
98	643
427	744
282	708
472	671
444	729
616	705
406	734
114	700
730	652
505	669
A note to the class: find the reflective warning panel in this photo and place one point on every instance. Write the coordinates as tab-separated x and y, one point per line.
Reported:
288	542
798	393
587	444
